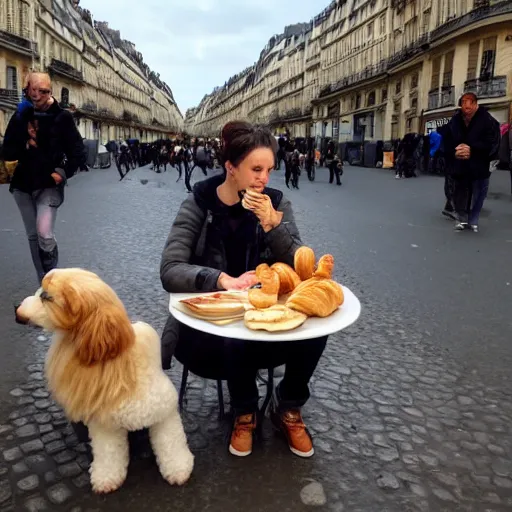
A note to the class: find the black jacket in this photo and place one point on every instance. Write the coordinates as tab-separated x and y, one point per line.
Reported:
194	256
59	146
482	135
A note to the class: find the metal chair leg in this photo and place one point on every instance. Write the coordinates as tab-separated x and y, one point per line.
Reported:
270	389
183	387
220	394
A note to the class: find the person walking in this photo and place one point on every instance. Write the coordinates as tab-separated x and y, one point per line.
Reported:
43	140
471	142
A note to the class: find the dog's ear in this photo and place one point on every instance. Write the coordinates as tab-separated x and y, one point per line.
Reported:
103	335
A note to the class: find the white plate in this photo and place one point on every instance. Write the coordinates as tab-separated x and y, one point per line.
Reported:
346	315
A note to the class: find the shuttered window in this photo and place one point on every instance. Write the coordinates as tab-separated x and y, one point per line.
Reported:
488	58
448	69
474	49
436	70
12	78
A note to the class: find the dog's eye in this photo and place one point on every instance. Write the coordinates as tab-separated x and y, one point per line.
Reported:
46	296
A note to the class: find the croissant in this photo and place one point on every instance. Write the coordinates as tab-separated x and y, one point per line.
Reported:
319	297
265	296
325	267
304	262
288	278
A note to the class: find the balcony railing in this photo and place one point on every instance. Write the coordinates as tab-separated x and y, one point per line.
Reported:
9	97
63	68
419	46
471	17
495	87
441	99
365	74
17	43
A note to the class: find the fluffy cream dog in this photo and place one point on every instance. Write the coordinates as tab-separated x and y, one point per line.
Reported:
106	372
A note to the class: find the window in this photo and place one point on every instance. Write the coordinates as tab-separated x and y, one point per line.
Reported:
436	71
384	94
448	69
358	101
414	81
398	87
370	31
488	58
414	103
64	97
397	106
474	49
371	99
12	78
383	24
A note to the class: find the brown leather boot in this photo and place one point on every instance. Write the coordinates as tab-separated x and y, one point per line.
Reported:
291	425
242	434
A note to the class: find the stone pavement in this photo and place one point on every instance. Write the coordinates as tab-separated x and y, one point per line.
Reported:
405	412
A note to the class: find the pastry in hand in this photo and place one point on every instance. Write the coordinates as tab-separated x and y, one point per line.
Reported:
304	262
325	267
288	278
274	319
266	295
319	297
249	195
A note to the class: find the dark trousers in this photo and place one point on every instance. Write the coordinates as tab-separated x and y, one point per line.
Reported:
237	361
245	358
334	170
448	192
469	197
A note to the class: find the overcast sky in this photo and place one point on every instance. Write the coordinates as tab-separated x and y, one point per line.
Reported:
196	45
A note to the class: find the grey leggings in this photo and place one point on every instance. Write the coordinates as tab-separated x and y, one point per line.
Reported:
39	210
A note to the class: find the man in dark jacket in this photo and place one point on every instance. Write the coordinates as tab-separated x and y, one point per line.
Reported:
471	142
44	141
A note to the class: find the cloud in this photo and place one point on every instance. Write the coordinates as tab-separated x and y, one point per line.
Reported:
197	45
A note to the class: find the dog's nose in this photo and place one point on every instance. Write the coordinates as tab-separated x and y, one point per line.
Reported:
19	319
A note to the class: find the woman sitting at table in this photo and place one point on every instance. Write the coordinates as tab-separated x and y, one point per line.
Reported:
215	244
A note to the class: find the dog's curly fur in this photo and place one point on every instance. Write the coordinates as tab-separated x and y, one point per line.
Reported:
106	372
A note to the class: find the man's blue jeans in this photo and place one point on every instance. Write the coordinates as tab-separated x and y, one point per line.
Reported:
469	197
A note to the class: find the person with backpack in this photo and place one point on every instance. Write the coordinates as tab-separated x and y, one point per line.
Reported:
216	244
47	149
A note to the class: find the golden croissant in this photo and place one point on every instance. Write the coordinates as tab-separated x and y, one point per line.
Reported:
325	267
316	297
265	296
288	278
304	262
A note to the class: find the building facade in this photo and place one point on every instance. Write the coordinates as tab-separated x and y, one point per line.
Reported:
372	70
97	75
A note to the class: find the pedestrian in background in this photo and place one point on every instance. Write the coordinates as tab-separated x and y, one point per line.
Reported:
43	140
471	142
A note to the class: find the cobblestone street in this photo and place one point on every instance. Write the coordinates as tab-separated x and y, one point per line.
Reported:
411	407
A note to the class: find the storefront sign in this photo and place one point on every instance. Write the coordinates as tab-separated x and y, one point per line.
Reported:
434	124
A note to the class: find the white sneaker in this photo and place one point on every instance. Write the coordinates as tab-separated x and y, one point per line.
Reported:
474	227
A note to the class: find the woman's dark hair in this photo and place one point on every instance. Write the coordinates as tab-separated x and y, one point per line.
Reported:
239	138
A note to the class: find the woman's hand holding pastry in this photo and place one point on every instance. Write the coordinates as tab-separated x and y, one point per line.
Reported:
261	206
243	282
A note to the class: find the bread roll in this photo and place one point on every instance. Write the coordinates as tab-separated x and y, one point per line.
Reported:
274	319
265	296
304	262
288	278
